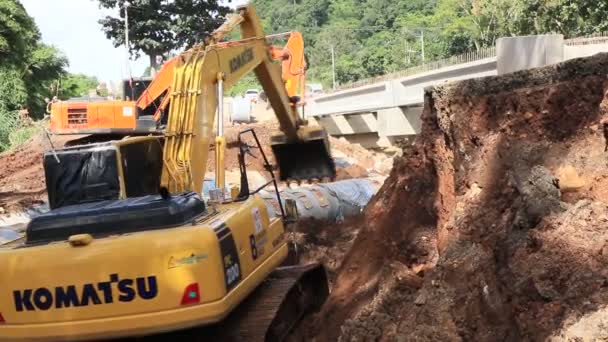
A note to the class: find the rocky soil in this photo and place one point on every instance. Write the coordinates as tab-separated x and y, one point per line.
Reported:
493	226
22	183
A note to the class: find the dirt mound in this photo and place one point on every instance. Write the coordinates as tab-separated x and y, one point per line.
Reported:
326	242
353	161
492	226
22	181
22	176
255	161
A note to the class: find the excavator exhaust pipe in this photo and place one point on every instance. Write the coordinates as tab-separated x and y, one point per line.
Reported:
307	158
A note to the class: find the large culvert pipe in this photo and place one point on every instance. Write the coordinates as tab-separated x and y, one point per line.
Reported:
328	201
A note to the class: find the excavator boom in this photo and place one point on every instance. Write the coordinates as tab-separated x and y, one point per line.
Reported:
293	63
201	76
146	114
160	85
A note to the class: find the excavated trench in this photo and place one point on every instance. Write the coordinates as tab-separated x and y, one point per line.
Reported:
492	226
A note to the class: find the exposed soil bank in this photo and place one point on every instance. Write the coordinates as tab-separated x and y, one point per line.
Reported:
493	226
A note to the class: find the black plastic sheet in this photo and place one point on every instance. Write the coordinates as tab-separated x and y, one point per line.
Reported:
81	175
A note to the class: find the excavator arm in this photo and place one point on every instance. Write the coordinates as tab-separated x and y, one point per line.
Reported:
293	74
159	85
202	74
293	63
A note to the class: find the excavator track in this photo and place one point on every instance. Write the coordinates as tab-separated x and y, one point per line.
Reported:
271	311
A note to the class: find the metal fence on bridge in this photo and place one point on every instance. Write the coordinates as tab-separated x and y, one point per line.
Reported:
489	52
429	66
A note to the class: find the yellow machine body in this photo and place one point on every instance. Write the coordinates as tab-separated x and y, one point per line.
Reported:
201	74
134	284
89	284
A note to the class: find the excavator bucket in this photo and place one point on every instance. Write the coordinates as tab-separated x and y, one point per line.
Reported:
307	158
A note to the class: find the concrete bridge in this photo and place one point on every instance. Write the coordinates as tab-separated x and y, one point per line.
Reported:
379	111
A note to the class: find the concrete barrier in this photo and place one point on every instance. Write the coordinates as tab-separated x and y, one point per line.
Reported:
376	114
522	53
405	91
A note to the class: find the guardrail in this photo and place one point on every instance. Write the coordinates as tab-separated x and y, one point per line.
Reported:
597	38
429	66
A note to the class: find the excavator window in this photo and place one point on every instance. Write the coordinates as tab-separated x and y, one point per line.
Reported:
133	89
142	164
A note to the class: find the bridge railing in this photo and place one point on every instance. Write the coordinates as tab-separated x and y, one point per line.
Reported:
596	38
428	66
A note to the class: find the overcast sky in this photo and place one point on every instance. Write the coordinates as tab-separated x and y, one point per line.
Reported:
71	25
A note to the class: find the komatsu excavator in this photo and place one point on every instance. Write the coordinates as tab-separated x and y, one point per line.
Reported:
146	112
130	248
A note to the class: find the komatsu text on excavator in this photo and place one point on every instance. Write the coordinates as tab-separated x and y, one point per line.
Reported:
131	248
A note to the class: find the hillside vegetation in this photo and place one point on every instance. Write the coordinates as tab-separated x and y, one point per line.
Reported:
375	37
31	72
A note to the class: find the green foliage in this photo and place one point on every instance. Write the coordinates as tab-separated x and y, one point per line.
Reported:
18	33
45	67
375	37
247	82
9	122
13	89
24	133
29	69
157	26
76	85
569	17
13	132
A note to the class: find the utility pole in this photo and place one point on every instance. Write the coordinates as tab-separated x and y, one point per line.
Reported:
128	55
422	43
127	35
404	47
333	66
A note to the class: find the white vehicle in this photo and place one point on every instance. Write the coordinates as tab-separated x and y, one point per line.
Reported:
314	89
252	95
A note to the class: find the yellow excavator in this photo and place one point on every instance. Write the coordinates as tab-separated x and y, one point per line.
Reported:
130	248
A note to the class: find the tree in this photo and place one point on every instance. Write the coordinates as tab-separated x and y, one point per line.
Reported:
45	67
76	85
18	33
375	37
29	67
569	17
157	27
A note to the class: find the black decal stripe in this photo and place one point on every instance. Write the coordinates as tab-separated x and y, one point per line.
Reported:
220	227
223	233
230	257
